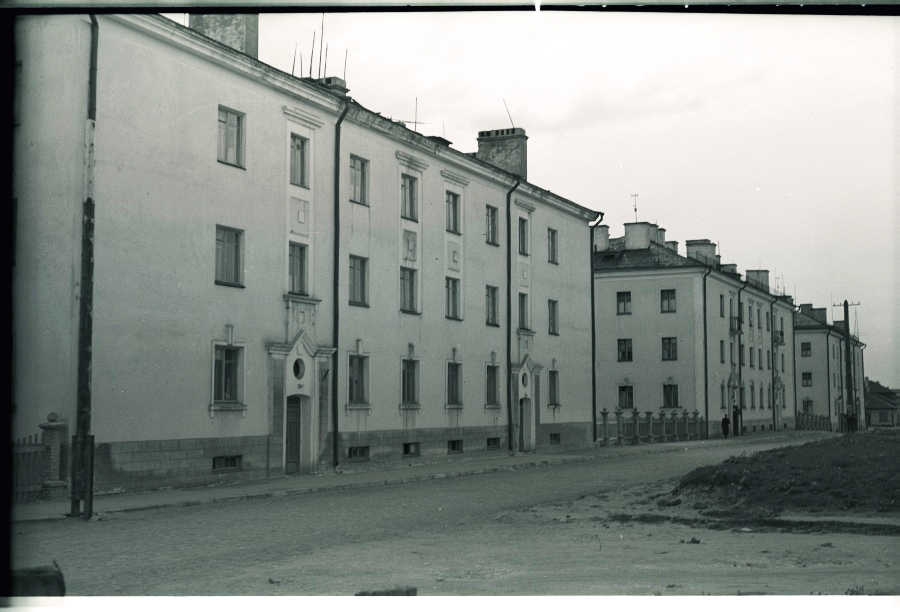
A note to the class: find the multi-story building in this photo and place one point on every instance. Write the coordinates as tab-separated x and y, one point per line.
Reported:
685	333
220	266
823	386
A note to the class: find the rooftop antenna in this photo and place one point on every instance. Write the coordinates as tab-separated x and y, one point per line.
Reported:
312	53
321	38
325	68
346	53
634	196
507	114
294	63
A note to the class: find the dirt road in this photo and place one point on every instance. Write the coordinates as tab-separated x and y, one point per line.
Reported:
540	531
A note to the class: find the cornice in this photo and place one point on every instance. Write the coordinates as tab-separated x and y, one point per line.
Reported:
303	117
455	178
410	161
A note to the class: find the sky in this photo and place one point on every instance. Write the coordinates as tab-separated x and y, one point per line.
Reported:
775	136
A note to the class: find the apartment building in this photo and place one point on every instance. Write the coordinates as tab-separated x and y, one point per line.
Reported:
823	386
233	269
685	333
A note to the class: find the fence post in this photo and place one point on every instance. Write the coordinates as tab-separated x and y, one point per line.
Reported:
696	426
53	434
635	418
605	414
618	427
650	436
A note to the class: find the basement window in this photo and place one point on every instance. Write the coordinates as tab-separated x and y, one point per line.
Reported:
454	446
227	463
358	453
493	443
411	449
555	439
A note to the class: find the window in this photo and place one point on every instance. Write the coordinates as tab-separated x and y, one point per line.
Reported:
411	449
227	377
805	349
493	444
408	290
721	351
299	160
523	311
721	305
490	305
807	405
758	317
297	268
749	315
767	321
554	388
624	349
751	356
768	360
807	379
409	383
552	247
667	300
228	256
231	137
743	353
722	395
555	439
523	236
359	180
752	397
491	378
452	290
358	453
359	286
490	229
553	313
762	402
227	463
454	446
759	358
408	206
669	349
359	379
454	384
626	397
782	363
670	396
623	302
452	212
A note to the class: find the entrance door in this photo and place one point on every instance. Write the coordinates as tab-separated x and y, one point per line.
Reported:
526	425
292	436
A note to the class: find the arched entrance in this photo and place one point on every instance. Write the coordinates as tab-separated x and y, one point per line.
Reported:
297	435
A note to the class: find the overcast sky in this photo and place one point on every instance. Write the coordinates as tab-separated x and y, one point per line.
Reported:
774	136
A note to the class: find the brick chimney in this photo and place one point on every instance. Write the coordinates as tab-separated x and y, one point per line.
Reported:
660	235
601	238
760	278
730	268
702	250
239	32
820	315
672	244
506	149
637	235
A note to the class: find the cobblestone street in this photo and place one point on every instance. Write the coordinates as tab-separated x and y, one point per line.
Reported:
496	533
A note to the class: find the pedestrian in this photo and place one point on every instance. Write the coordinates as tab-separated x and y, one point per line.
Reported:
725	424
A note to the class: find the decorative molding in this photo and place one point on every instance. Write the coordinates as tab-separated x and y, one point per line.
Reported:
411	162
453	177
296	298
525	205
303	117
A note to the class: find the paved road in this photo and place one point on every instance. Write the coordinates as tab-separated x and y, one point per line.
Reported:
211	549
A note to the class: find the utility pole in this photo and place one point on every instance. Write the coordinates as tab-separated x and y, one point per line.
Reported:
634	197
851	390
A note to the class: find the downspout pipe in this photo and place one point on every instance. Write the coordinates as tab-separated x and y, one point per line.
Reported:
509	408
739	427
82	485
828	370
705	360
772	357
794	365
593	313
335	289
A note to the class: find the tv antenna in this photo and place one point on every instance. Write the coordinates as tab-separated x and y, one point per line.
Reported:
634	196
415	122
294	63
507	114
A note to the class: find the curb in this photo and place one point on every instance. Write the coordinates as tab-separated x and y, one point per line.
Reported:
595	455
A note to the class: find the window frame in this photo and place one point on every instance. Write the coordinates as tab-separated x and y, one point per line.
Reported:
454	392
552	246
362	386
362	184
522	225
553	389
220	401
239	140
553	317
303	250
672	353
670	392
492	390
806	379
303	154
624	350
491	225
623	303
452	298
409	290
409	365
806	349
238	256
409	199
628	391
452	209
667	303
492	316
363	272
523	311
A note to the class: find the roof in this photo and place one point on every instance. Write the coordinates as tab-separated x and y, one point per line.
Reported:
656	256
433	142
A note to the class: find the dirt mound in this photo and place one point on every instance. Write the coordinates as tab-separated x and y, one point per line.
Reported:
855	472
